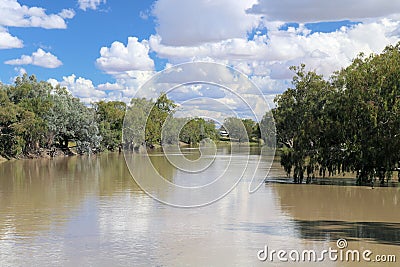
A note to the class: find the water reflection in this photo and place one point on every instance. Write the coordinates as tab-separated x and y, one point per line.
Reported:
88	211
338	203
326	231
331	212
37	193
191	184
379	232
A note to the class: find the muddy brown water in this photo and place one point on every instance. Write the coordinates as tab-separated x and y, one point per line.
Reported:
88	211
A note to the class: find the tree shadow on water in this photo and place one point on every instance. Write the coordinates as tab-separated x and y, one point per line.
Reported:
379	232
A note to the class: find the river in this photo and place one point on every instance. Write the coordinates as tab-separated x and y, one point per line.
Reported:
88	211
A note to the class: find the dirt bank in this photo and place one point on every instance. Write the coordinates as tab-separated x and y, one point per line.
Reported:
2	159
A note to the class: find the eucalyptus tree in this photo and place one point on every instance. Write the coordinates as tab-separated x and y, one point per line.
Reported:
162	108
9	142
110	117
268	132
299	117
70	120
348	124
371	95
144	120
32	101
135	122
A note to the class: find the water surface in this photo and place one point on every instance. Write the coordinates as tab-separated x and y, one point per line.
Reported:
88	211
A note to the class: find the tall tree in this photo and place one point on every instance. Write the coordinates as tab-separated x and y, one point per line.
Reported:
70	120
110	118
10	144
350	124
266	129
162	108
298	118
134	129
371	90
33	99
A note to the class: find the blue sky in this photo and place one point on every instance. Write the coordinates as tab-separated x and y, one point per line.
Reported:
102	49
78	46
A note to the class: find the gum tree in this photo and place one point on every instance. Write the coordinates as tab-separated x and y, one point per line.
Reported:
110	118
348	124
299	118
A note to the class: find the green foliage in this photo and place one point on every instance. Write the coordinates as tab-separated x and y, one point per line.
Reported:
149	122
197	129
36	116
161	109
32	100
371	90
135	121
299	120
238	129
348	124
256	131
249	125
266	130
70	120
110	118
9	145
145	119
22	108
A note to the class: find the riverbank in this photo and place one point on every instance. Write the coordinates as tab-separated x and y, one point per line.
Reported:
43	153
2	159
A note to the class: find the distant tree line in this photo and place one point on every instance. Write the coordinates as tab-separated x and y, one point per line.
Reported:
152	122
37	119
349	123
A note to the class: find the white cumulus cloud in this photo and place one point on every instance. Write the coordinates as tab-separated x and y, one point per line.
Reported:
110	87
90	4
124	89
80	87
14	14
8	41
120	58
67	13
38	58
126	84
130	65
236	48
